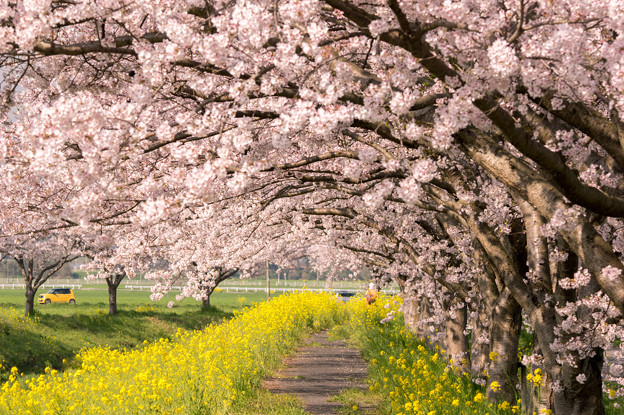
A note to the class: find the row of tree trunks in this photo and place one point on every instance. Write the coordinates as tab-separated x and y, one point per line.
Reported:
542	200
510	261
33	282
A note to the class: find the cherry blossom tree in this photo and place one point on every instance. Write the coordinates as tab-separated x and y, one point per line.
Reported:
450	144
112	274
39	259
31	233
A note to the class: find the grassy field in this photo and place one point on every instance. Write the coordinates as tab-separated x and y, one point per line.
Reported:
57	331
97	299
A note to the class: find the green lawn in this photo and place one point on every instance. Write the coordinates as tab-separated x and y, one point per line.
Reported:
52	336
89	299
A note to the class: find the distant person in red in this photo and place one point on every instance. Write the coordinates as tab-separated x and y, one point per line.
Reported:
371	294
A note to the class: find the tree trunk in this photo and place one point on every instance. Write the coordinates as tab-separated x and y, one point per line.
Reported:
113	282
581	399
33	280
30	300
206	298
414	310
112	298
455	339
569	396
410	313
581	236
573	397
206	303
536	399
508	258
480	342
26	266
479	347
506	323
208	285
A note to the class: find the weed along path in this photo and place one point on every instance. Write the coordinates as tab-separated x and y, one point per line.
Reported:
319	371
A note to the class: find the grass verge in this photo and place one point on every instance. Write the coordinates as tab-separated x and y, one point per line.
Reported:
263	402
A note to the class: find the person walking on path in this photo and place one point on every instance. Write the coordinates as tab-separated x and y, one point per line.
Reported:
371	294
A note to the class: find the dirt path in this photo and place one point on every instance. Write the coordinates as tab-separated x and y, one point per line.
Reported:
319	370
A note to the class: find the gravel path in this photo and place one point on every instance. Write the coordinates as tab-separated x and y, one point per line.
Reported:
319	370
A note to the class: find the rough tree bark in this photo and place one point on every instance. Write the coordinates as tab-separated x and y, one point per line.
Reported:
577	398
456	342
534	398
480	343
504	336
416	310
581	236
506	320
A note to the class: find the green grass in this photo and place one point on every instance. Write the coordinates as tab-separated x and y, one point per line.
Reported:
57	331
262	402
98	299
357	401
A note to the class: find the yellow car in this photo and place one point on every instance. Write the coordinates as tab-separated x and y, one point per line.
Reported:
58	295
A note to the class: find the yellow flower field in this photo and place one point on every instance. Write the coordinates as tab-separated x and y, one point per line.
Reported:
197	372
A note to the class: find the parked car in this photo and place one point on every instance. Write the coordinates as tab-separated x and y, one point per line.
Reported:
345	295
58	295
